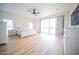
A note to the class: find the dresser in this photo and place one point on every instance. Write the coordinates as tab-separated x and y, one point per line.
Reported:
3	33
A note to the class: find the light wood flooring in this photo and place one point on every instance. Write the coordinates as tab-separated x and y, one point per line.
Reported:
39	44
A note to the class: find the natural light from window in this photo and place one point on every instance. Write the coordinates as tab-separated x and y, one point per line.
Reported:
9	24
48	26
30	25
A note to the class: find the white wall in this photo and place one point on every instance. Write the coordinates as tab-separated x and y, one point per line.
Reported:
19	21
71	41
71	38
67	16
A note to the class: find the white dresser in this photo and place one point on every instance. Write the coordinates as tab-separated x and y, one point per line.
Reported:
3	33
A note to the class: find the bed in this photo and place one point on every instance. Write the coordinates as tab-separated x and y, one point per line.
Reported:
25	32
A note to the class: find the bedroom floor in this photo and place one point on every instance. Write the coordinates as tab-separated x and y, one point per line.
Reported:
39	44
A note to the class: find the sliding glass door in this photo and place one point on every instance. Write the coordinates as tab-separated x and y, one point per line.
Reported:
52	26
48	26
45	26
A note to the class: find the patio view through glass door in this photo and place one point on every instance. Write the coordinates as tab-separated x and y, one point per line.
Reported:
48	26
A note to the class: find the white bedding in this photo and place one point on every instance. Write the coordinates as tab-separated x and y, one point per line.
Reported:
25	32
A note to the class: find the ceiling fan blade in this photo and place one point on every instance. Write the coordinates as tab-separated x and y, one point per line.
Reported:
34	12
29	10
37	12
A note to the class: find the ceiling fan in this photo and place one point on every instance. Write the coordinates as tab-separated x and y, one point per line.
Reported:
34	12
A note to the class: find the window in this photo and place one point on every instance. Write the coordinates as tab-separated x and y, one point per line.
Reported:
9	24
45	26
52	25
30	26
48	26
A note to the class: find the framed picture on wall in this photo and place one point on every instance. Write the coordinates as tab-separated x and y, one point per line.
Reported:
75	17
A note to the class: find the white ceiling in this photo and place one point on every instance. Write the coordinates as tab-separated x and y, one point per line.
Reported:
45	9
